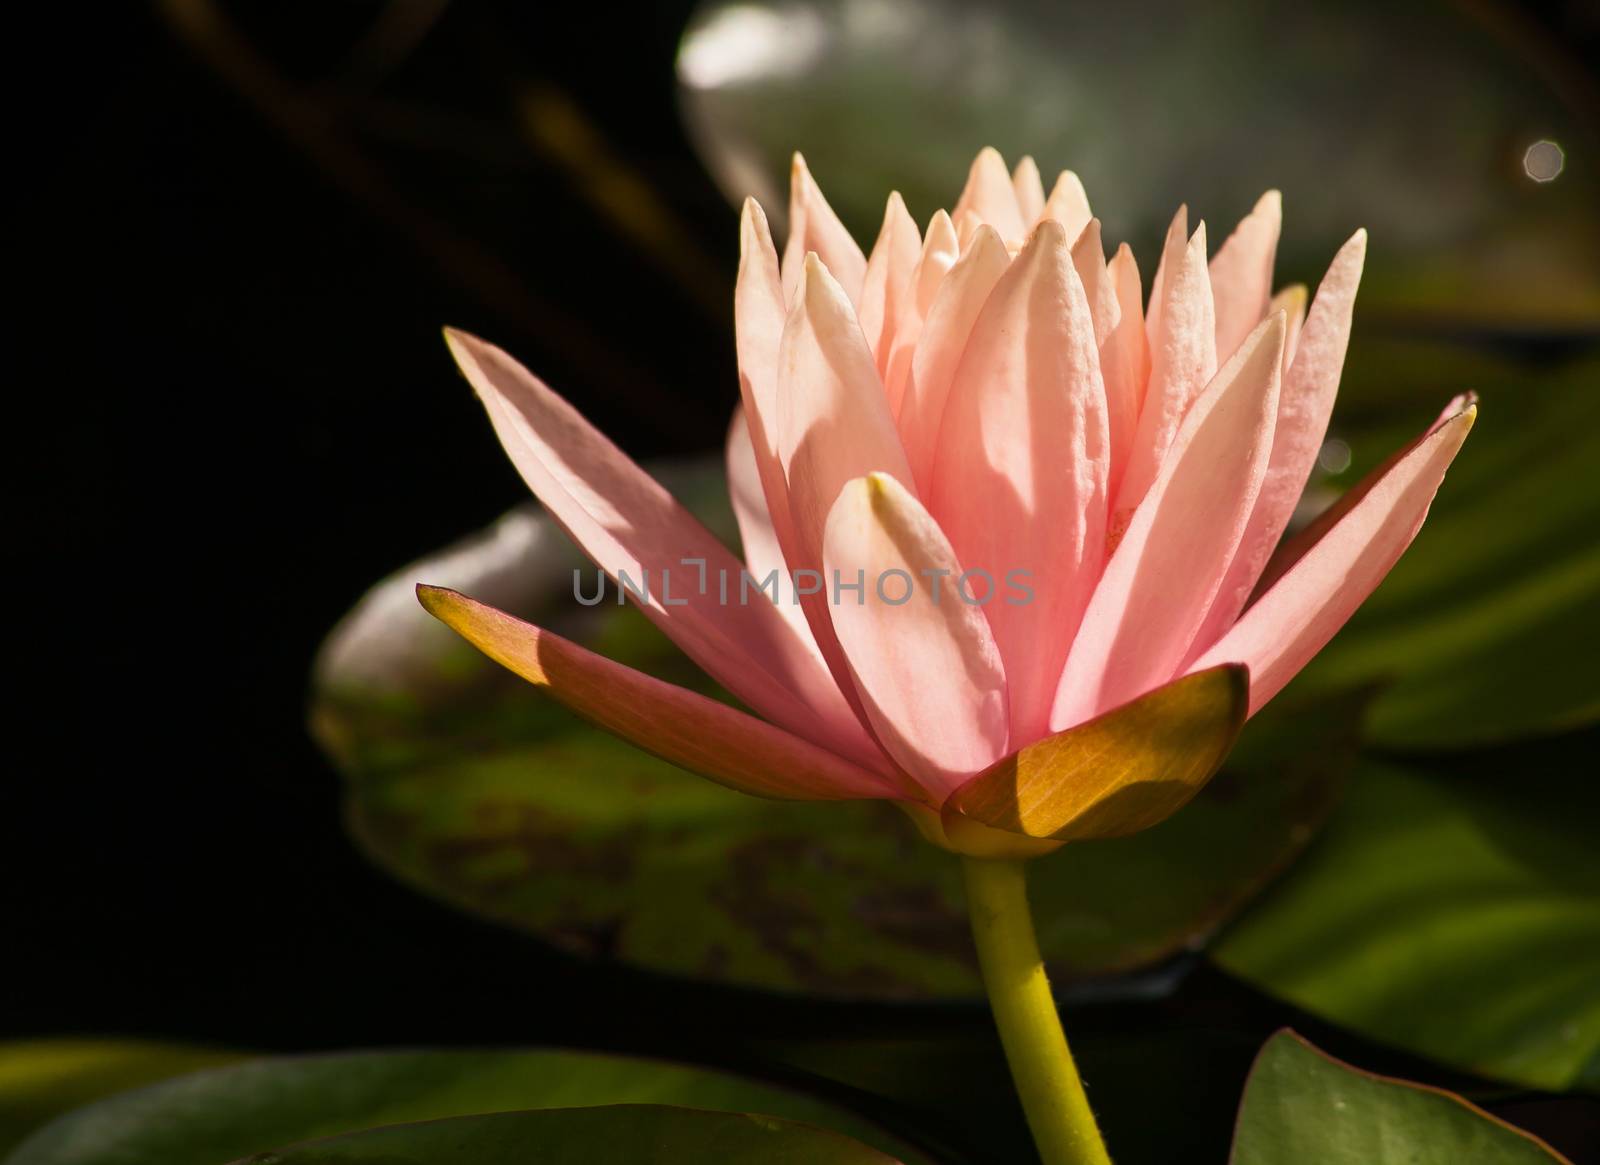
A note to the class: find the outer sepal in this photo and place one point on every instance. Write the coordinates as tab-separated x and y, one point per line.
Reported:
1121	772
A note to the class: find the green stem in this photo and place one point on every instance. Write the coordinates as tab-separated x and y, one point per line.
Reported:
1025	1012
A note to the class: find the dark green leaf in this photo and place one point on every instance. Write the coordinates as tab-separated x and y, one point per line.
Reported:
582	1136
41	1079
230	1112
1304	1107
1456	915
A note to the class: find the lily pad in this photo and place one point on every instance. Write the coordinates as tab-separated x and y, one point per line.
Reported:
231	1112
41	1079
1451	913
1303	1106
466	783
579	1136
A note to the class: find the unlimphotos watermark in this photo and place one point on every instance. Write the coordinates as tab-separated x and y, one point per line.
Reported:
894	587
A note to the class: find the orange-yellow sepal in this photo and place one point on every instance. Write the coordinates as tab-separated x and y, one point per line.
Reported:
1121	772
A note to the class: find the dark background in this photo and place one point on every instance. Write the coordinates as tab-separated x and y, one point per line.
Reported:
236	413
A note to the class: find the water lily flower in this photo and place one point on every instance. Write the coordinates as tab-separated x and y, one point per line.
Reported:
1063	509
1031	527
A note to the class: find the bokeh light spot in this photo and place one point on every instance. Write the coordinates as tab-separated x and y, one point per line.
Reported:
1334	456
1544	161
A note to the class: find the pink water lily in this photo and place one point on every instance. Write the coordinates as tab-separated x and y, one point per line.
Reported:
988	405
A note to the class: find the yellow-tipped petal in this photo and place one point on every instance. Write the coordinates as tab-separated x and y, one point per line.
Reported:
673	723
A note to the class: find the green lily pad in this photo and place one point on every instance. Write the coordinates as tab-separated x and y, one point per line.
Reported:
234	1111
1303	1106
579	1136
1486	629
466	783
1455	914
41	1079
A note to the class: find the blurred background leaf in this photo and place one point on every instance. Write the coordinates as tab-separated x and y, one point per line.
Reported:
41	1079
577	1136
1452	910
232	1112
1411	120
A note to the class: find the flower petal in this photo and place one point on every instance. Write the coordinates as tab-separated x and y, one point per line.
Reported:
1125	770
1160	581
1019	483
924	662
888	278
1292	302
814	227
1304	407
1029	189
1124	363
763	553
702	735
1119	347
760	319
990	195
627	523
833	425
1183	355
940	251
944	337
1068	204
1302	610
967	224
1241	273
1089	260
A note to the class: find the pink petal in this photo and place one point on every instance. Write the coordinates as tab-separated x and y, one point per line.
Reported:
1160	581
763	553
814	227
1029	189
1019	483
759	319
1292	621
1124	363
833	425
967	223
702	735
1304	407
758	311
1183	356
1089	260
628	524
888	279
1122	378
1241	272
1292	550
1292	302
940	250
1068	204
924	662
944	337
990	195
